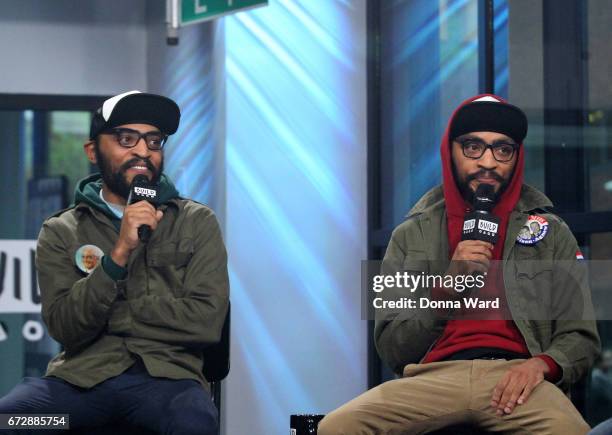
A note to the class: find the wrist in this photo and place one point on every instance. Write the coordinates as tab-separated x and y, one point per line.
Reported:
120	255
112	269
554	372
542	365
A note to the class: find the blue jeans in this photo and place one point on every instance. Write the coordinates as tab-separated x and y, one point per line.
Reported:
161	405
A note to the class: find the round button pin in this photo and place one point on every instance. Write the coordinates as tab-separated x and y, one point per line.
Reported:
534	230
87	257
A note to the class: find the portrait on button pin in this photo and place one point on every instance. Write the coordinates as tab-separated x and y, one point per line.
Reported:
525	233
534	230
87	257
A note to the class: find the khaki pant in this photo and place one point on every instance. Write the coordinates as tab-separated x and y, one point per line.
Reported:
435	395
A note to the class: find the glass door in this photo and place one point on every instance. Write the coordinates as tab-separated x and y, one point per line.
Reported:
41	140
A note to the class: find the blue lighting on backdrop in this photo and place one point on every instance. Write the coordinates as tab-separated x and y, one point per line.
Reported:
428	28
296	210
430	64
500	29
190	153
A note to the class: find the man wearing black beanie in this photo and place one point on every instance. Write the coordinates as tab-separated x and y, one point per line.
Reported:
504	366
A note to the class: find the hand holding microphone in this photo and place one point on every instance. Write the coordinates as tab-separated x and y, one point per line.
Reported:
471	257
142	191
480	232
140	218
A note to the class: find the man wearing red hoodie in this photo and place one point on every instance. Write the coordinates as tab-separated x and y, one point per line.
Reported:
500	369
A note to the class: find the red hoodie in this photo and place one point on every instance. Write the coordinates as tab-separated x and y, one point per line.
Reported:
503	334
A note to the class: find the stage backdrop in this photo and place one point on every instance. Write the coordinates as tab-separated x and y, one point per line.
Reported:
296	210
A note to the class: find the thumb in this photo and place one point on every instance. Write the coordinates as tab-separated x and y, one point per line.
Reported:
158	215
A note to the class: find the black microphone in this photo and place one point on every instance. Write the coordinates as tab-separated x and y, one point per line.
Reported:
142	190
481	224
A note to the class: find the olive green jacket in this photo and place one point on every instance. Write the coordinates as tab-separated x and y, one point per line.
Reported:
546	287
170	305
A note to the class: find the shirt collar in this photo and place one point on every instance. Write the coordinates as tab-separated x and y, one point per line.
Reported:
117	209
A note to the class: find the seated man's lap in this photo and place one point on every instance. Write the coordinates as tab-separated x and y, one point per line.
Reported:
435	395
134	397
426	394
170	406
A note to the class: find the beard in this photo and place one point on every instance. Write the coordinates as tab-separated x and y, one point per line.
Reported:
468	193
116	181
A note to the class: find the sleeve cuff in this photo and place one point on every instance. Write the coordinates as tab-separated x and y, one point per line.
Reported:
113	270
555	371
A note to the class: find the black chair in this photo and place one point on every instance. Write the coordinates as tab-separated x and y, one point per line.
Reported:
216	368
217	362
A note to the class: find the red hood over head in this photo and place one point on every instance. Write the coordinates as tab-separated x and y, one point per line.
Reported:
456	206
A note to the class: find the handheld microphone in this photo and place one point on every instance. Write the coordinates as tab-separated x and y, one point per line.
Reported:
142	190
481	224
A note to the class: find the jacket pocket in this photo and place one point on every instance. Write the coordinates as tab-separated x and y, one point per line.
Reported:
167	266
533	269
540	251
176	254
534	279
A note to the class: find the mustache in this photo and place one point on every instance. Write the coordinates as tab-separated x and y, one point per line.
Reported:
138	162
486	174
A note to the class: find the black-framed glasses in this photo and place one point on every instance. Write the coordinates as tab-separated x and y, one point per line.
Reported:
128	138
474	148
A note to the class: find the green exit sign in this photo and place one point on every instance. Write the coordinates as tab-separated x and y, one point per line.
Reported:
196	11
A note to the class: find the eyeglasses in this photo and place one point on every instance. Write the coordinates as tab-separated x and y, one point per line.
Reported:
475	148
128	138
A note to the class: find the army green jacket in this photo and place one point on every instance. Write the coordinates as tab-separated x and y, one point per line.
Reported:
169	305
546	287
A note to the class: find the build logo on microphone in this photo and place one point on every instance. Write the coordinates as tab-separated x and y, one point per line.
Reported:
143	191
487	227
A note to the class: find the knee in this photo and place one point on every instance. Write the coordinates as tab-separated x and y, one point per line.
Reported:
325	426
7	406
570	423
339	422
14	403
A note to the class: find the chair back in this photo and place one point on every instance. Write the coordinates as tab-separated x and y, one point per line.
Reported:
217	357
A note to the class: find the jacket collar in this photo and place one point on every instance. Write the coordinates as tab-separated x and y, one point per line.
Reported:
532	199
